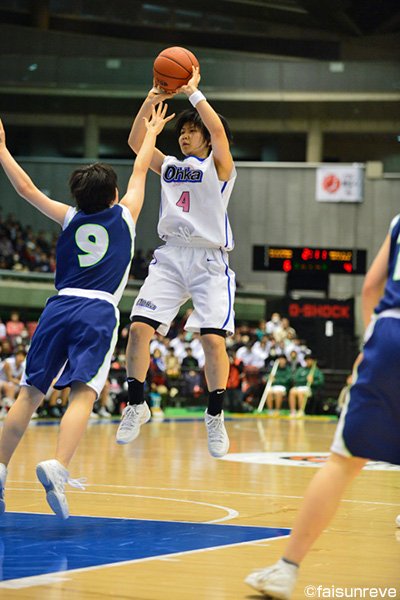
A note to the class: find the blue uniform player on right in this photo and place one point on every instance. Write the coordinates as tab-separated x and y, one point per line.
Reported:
78	328
369	425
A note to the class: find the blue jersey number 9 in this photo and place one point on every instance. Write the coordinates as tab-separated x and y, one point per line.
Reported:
93	240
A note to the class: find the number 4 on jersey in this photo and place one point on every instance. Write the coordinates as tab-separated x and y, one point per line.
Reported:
184	201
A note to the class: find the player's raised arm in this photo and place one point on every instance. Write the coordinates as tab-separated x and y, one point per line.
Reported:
219	140
25	187
134	196
138	131
374	282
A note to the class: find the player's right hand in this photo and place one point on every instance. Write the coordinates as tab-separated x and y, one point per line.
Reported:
157	94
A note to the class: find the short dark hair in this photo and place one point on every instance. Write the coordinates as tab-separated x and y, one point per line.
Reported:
93	187
191	115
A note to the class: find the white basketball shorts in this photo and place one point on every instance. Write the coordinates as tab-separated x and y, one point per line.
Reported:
178	273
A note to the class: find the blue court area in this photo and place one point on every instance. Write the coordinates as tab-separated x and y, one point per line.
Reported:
38	544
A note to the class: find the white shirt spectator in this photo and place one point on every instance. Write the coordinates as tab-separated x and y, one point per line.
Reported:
261	352
197	351
273	324
248	358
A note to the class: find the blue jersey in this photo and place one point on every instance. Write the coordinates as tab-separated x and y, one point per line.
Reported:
391	296
94	251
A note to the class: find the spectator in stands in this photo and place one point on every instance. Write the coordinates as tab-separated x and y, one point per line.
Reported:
306	380
14	326
6	251
157	343
281	384
261	350
11	370
157	368
103	403
234	395
274	323
3	330
192	383
284	330
178	343
6	349
55	403
295	344
172	365
189	361
197	349
293	361
261	330
246	355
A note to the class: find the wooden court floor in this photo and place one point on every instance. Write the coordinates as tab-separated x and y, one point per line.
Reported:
167	475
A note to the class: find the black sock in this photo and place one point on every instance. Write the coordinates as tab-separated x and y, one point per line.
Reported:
215	402
290	562
135	391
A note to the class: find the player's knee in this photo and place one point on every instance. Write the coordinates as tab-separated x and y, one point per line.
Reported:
213	344
140	333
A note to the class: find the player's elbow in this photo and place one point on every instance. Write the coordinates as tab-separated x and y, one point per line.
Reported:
133	145
25	189
370	289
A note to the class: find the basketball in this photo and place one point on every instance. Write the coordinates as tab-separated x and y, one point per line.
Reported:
173	68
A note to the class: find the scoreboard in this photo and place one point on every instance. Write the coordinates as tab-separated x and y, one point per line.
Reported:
307	259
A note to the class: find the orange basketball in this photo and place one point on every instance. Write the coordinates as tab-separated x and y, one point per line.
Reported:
173	68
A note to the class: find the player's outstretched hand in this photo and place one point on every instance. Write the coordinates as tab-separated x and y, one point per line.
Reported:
158	119
192	84
2	135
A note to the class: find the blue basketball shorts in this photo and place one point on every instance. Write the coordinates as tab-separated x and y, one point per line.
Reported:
369	425
75	336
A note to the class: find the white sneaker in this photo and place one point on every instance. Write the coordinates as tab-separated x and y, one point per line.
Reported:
277	581
53	476
103	413
3	476
133	417
300	414
3	413
218	441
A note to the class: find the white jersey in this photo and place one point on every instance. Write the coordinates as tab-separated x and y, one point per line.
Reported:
194	203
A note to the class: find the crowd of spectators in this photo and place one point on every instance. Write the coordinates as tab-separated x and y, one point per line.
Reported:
177	361
176	373
22	249
176	367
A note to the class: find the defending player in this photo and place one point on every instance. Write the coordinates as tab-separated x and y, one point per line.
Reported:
369	424
78	328
193	263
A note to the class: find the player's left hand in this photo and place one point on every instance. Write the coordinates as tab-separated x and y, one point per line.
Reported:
192	84
158	119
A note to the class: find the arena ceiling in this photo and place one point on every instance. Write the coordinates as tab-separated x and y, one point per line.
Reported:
319	29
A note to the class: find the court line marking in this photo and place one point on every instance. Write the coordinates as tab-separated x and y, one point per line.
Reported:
232	513
201	491
50	578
